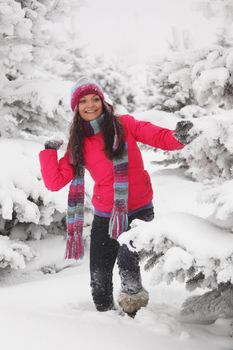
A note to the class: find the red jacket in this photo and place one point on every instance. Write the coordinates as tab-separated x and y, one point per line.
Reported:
57	174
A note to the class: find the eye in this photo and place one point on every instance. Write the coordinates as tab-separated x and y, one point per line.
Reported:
96	99
83	100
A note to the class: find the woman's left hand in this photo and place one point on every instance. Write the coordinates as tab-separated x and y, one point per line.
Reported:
182	132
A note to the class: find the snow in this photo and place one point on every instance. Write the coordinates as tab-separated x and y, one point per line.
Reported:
20	180
14	254
212	80
185	230
192	242
159	118
57	312
48	303
223	200
45	301
38	92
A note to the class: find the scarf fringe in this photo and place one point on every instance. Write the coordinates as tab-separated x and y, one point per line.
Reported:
118	223
74	247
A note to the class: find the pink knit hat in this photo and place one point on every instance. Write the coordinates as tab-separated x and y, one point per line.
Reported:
83	87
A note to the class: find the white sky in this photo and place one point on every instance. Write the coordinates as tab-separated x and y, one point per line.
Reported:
134	30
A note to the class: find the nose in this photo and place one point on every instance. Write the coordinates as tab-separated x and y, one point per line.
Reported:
90	103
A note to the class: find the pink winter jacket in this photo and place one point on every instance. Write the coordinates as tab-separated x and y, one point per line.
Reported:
57	174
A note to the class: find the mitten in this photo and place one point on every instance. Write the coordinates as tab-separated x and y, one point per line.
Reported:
53	144
182	132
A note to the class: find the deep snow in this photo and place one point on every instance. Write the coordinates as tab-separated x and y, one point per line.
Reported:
55	311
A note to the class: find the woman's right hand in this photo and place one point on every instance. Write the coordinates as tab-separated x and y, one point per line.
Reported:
53	144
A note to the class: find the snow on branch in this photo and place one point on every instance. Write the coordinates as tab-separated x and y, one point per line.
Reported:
14	254
184	247
34	107
23	197
25	203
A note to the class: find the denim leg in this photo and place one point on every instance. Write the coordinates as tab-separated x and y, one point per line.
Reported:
103	253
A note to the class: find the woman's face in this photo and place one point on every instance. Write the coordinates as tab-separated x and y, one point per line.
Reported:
90	107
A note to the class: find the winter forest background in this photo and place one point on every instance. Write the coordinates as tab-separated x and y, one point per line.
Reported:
41	56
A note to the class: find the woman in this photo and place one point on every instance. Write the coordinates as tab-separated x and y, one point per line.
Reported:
106	146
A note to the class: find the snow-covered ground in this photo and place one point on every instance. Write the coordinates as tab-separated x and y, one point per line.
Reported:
48	304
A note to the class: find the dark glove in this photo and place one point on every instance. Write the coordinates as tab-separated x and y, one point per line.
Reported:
53	144
182	130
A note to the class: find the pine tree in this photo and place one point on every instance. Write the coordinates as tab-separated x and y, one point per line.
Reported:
16	40
36	55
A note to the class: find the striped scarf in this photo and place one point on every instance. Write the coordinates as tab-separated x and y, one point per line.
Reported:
75	214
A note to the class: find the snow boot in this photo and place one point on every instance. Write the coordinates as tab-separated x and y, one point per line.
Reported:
101	288
131	303
132	296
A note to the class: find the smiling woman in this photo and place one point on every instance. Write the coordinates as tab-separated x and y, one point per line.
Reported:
120	179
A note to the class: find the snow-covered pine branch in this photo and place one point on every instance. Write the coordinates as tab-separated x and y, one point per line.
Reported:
219	195
14	254
35	107
191	250
209	155
27	208
184	247
193	77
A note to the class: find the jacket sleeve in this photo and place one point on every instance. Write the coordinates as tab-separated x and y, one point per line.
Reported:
153	135
55	173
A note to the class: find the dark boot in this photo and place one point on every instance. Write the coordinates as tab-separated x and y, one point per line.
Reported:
132	296
102	289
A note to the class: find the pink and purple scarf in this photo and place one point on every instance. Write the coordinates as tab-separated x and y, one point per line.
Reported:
75	214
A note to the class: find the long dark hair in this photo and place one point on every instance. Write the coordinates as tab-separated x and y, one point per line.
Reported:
110	124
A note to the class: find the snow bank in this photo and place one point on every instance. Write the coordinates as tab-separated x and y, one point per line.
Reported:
183	247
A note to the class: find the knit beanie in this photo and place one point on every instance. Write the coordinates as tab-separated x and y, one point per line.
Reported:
83	87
